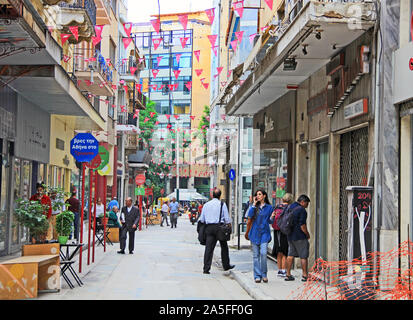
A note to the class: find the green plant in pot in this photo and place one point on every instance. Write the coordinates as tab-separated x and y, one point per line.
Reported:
30	214
64	224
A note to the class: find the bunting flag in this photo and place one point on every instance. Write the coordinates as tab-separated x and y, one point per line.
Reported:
210	14
152	114
252	37
156	24
176	73
66	58
189	85
123	108
139	88
184	41
126	89
141	60
239	36
171	87
75	31
192	117
98	31
214	48
197	53
198	72
133	70
161	87
128	28
159	59
178	57
229	73
183	19
239	7
154	87
176	116
146	120
64	37
234	44
206	85
155	73
269	3
212	39
126	42
156	42
219	70
136	115
96	40
114	87
167	116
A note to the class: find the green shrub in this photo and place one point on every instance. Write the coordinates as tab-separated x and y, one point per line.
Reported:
64	223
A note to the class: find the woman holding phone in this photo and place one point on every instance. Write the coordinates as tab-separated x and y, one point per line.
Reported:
260	217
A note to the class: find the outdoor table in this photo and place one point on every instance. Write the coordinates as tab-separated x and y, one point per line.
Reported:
67	261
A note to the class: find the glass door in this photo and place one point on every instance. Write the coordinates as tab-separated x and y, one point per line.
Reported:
322	201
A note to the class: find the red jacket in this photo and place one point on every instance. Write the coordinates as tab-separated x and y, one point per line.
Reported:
45	200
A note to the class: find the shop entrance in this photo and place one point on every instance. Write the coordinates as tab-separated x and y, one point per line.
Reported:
353	172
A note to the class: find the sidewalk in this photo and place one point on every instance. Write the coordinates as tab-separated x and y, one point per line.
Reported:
276	288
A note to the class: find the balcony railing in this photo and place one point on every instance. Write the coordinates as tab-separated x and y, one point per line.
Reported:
126	118
88	5
99	65
124	68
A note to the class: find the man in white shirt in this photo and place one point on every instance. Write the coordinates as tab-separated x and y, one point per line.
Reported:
164	211
210	215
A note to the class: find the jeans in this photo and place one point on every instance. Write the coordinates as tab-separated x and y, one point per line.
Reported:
174	219
165	218
75	226
260	260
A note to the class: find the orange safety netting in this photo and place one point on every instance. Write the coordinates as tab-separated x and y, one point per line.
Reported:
379	276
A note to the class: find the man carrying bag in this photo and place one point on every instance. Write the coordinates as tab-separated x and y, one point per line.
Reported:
217	222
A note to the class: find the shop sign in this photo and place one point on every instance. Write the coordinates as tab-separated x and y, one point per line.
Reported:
356	109
84	147
139	191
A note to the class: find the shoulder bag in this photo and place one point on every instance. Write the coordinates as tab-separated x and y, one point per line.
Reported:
249	224
224	230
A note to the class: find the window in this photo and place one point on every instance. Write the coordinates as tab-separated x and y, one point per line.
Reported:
181	106
166	39
112	52
164	61
162	106
177	35
111	110
185	60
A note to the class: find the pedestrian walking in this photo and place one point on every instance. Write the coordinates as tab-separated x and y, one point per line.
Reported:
164	212
298	244
174	211
212	211
74	205
129	219
280	249
260	215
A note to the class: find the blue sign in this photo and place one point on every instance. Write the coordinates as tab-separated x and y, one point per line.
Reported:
232	174
84	147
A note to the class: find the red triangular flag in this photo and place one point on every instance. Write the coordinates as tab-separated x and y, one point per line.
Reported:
126	88
197	53
126	42
156	25
136	115
152	114
66	58
176	116
219	70
210	14
159	59
75	31
198	72
183	19
251	37
64	37
170	87
239	7
98	31
133	70
234	45
176	73
206	85
215	50
155	72
212	39
139	87
269	3
128	28
178	57
229	73
156	42
96	40
167	116
192	117
184	41
189	85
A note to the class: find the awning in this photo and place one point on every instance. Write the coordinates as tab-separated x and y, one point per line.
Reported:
269	81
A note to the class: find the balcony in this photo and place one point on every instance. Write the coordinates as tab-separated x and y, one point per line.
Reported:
103	12
128	124
124	70
81	13
98	71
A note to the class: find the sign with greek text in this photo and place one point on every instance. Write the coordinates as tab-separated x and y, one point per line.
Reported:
84	147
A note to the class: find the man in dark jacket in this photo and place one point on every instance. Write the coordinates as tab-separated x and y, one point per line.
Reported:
129	218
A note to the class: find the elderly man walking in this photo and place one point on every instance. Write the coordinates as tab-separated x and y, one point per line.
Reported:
210	215
129	218
174	211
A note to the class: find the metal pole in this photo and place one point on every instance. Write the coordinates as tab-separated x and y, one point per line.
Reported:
81	215
94	214
89	210
140	211
239	236
104	212
177	160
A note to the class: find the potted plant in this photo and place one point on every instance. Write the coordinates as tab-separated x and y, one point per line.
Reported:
64	223
30	214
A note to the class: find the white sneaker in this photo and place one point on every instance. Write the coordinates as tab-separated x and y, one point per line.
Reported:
282	273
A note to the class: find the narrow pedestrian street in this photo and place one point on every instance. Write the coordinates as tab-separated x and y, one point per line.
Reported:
166	264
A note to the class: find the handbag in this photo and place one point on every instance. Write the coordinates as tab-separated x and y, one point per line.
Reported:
224	230
249	225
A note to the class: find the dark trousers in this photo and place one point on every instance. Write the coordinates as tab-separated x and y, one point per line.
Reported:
124	232
165	218
76	226
174	219
211	241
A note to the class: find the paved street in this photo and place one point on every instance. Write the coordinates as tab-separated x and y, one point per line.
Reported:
167	264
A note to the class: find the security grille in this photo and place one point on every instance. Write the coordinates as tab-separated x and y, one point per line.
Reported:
353	172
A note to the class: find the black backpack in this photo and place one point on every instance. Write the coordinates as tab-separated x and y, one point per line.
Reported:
285	221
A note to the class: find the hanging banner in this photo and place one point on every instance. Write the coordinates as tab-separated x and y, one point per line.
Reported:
176	73
183	19
126	42
269	3
239	35
75	31
212	39
239	7
197	54
64	37
210	14
96	40
156	42
184	41
155	73
156	25
98	31
128	28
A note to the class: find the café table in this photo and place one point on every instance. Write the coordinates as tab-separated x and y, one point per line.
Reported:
67	260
